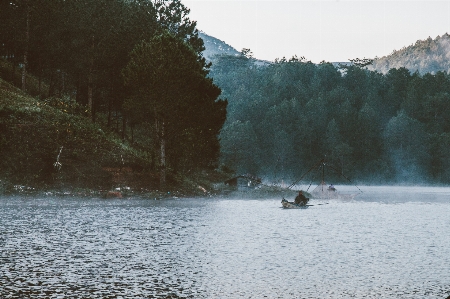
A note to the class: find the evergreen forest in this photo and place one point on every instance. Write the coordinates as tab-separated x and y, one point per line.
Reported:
134	68
370	127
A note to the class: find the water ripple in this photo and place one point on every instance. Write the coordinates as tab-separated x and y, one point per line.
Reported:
222	248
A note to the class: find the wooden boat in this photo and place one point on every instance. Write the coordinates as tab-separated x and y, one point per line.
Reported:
323	191
292	205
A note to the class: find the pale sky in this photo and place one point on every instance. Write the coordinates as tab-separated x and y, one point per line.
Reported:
334	31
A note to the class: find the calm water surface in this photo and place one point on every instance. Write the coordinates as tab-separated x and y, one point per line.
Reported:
387	243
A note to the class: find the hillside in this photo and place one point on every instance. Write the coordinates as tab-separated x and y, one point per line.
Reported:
425	56
37	134
215	46
52	145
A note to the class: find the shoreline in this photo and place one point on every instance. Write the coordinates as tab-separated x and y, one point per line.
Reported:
143	193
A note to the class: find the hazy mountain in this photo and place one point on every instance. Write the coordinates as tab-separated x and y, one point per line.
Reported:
425	56
215	46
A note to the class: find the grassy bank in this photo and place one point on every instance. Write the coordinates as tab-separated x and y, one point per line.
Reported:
52	145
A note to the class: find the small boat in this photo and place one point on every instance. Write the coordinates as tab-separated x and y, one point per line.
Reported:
292	205
323	191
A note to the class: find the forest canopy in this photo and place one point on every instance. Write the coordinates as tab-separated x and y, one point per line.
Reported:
135	65
372	127
119	60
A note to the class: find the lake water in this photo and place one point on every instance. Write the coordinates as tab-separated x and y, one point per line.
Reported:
387	243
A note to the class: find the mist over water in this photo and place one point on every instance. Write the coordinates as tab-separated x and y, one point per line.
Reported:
389	242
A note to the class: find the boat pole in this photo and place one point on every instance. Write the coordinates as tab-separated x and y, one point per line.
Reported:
323	174
347	178
315	165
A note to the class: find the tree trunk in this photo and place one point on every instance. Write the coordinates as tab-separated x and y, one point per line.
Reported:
50	85
124	127
90	80
41	71
40	85
90	94
25	53
162	142
78	88
13	70
109	122
132	133
109	111
63	84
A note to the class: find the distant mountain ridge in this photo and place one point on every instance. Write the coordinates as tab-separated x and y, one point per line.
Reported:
215	46
425	56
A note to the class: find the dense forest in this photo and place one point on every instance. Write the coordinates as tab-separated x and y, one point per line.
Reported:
370	127
134	67
137	68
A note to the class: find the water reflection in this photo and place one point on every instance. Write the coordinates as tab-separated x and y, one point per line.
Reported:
224	248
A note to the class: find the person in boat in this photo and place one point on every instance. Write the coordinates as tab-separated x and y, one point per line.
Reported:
331	188
301	199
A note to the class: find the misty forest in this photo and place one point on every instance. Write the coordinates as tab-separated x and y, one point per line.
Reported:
372	127
136	69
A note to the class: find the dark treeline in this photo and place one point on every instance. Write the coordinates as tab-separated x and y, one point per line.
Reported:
373	128
79	51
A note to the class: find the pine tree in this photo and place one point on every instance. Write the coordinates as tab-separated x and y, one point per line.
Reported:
170	86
